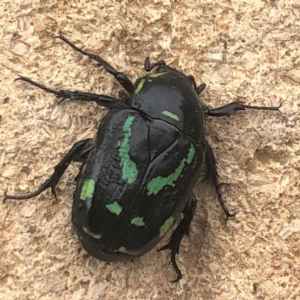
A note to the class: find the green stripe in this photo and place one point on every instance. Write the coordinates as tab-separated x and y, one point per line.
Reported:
139	86
93	235
166	226
170	115
154	75
158	183
129	168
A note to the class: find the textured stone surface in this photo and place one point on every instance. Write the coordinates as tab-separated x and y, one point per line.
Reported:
254	256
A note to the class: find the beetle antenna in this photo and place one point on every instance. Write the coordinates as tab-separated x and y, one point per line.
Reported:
148	66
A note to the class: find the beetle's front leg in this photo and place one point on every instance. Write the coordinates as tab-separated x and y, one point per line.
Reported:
77	153
181	230
231	108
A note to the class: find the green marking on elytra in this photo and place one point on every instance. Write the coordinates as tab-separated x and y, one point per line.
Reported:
122	249
138	221
129	168
158	183
154	75
114	208
87	190
170	115
139	86
166	226
93	235
191	154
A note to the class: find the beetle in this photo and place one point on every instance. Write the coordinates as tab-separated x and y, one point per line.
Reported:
137	175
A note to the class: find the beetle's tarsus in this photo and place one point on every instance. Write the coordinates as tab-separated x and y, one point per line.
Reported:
53	191
42	188
277	108
181	230
222	202
5	198
61	100
177	270
212	176
49	183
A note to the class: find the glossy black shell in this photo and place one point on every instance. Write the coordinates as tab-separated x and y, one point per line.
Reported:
156	137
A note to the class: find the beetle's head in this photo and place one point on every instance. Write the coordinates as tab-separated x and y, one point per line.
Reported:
165	68
162	67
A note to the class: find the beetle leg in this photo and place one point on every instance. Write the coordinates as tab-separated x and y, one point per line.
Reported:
212	175
102	100
119	76
181	230
231	108
76	153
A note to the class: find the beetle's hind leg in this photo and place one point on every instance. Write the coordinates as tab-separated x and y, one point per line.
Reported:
181	230
78	152
120	77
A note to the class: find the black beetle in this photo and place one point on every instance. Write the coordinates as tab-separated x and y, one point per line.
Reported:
138	175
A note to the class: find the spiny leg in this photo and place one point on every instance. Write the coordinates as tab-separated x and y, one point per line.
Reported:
181	230
101	100
212	175
76	153
231	108
120	77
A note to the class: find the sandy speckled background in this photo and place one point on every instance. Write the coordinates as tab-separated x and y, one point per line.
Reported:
254	256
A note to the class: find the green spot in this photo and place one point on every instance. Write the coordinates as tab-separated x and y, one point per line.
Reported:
166	226
128	166
170	115
115	208
138	221
154	75
139	86
158	183
93	235
122	249
88	189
